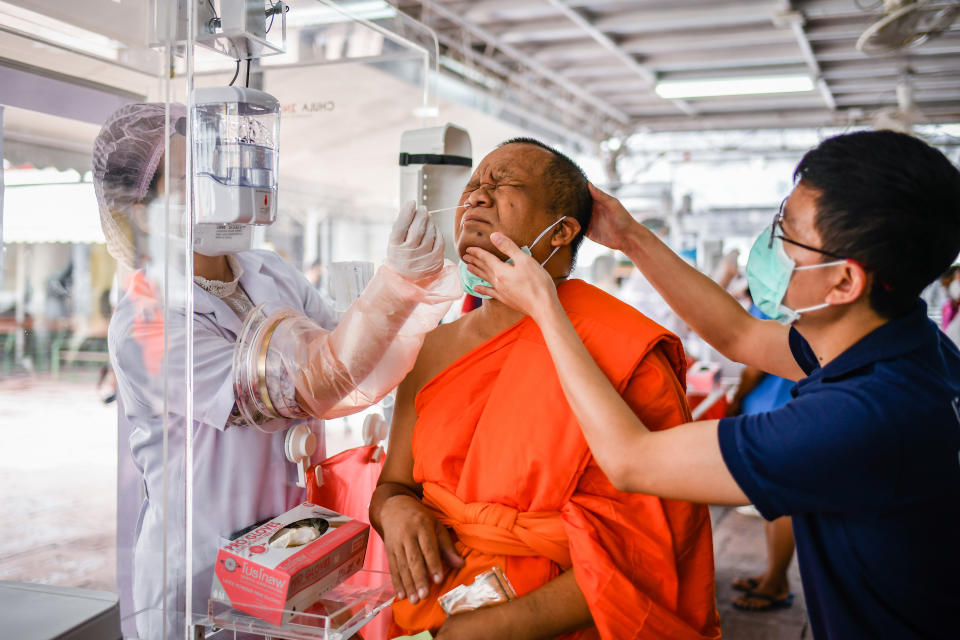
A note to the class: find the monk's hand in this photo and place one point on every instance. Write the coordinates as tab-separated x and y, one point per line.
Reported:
417	546
523	285
611	222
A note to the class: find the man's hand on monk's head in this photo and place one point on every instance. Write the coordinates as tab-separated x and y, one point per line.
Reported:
417	547
524	285
611	223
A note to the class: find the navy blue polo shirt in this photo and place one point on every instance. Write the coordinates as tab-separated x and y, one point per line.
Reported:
866	458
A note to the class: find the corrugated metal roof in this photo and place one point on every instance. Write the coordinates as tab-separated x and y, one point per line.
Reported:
594	63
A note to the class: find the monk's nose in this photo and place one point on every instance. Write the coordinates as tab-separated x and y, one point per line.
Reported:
482	196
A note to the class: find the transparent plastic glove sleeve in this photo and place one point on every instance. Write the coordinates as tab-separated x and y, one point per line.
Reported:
286	365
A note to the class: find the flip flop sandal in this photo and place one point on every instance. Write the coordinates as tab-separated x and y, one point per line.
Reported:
745	584
772	603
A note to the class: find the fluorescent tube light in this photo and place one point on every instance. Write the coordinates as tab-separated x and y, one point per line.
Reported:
744	85
315	15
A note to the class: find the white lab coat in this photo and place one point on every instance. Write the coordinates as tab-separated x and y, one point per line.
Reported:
240	474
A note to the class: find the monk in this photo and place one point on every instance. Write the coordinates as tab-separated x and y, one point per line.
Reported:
487	465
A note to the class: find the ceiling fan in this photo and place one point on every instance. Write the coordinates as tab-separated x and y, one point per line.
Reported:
907	23
905	115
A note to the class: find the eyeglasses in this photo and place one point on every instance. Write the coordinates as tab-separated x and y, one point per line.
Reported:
778	224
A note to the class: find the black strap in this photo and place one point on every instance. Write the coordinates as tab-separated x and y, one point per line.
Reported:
434	158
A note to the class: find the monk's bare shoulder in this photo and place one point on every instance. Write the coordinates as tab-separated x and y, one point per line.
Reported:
433	355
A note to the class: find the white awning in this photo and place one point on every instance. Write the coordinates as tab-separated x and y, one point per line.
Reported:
51	213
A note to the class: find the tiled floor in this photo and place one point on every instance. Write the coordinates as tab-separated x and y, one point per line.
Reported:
739	551
57	495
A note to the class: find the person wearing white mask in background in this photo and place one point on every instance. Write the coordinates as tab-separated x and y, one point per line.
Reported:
951	299
240	473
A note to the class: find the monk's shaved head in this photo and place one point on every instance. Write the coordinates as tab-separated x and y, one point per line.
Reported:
567	185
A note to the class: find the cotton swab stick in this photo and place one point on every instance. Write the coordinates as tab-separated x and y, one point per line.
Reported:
449	208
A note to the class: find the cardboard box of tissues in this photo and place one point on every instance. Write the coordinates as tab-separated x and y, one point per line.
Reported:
285	565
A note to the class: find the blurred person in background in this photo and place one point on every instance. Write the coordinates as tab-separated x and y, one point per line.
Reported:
950	320
950	283
106	380
603	274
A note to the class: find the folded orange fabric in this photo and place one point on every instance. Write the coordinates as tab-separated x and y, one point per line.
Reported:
497	529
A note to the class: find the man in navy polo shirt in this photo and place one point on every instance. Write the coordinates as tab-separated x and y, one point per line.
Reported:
866	456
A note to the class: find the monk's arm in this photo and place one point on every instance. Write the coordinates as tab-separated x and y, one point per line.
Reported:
396	477
683	463
417	544
556	608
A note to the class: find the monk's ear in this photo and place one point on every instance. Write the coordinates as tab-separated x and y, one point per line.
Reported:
565	232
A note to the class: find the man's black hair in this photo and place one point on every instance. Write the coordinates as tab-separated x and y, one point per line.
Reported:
567	183
891	202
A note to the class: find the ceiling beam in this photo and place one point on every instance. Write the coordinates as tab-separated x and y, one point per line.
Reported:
725	72
686	18
507	76
578	50
842	51
537	31
745	120
537	67
795	21
639	20
839	9
706	42
877	84
747	57
648	76
877	99
589	71
760	102
720	38
866	67
488	11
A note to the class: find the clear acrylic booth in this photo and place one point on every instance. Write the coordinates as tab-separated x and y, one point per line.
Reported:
139	478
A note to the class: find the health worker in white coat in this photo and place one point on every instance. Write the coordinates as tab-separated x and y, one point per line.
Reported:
240	475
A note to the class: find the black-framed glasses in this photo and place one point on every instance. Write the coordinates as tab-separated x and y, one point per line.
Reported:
778	224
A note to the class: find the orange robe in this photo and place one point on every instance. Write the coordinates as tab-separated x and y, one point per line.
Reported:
503	463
